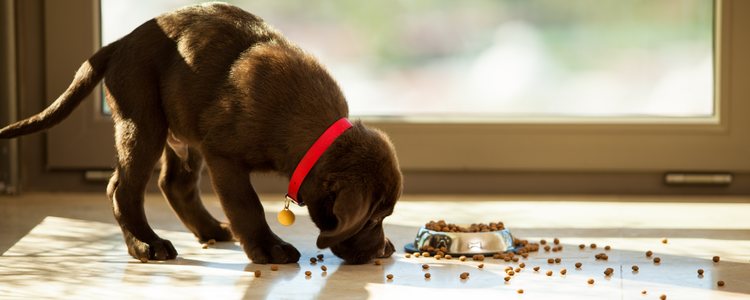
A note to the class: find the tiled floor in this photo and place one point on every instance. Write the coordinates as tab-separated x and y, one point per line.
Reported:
67	246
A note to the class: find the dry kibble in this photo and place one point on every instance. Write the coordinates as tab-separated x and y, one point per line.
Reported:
425	254
389	276
464	275
324	268
556	241
274	268
462	258
720	283
663	297
438	256
550	260
608	271
581	246
425	267
480	266
515	259
427	275
607	247
518	270
377	262
257	273
635	268
417	254
591	281
407	255
525	255
536	268
314	260
308	273
716	259
558	260
510	272
649	253
448	256
543	241
547	248
664	241
204	246
657	260
478	257
522	265
320	257
520	291
643	292
549	273
563	271
578	265
700	272
507	278
211	242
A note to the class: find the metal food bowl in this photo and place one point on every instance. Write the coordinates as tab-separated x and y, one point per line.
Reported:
463	243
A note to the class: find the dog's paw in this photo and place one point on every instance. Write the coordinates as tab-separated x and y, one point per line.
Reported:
155	250
275	252
220	233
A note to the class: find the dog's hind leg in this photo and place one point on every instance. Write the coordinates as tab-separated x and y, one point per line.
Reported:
179	182
140	136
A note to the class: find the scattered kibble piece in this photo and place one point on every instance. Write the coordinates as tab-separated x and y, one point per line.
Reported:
563	271
649	253
464	275
591	281
510	272
448	256
720	282
550	260
536	268
635	268
558	260
417	254
389	276
425	254
643	292
716	259
204	246
578	265
700	272
211	242
407	255
664	241
324	268
314	260
274	268
520	291
438	256
308	273
549	273
257	273
427	275
657	260
478	257
425	267
462	258
518	270
593	246
547	248
543	241
601	256
525	255
320	257
607	247
581	246
522	265
480	266
556	241
377	262
515	259
507	278
663	297
608	271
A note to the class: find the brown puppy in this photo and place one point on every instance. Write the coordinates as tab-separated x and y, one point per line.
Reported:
225	88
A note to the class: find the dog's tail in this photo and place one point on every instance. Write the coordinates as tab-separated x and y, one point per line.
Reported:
86	78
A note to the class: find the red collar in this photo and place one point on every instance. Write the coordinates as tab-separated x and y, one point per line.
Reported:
311	157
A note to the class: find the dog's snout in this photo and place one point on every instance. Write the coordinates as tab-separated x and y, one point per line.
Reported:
388	249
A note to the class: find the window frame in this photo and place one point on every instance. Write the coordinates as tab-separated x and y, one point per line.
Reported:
510	145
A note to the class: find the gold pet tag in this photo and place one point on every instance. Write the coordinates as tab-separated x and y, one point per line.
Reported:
286	216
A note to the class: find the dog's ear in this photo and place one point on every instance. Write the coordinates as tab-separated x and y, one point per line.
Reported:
352	209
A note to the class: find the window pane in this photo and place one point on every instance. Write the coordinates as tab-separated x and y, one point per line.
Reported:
494	58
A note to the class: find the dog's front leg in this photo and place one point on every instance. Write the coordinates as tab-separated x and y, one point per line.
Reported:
231	181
